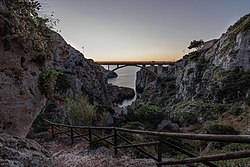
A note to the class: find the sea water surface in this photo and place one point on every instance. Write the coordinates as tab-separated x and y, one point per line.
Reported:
126	77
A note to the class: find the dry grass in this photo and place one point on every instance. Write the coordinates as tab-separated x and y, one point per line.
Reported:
80	112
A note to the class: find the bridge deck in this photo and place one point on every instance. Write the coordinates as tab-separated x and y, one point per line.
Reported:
135	62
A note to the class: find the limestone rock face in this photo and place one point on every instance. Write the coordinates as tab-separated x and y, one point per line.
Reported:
19	152
84	75
232	51
205	83
200	73
28	48
144	77
21	62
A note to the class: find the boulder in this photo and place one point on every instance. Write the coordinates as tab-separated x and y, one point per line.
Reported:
119	93
111	74
168	126
20	152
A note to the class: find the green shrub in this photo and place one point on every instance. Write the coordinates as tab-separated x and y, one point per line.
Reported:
196	44
146	114
234	85
222	129
134	125
62	83
241	25
190	118
150	115
47	82
81	112
232	147
195	56
236	147
50	81
235	110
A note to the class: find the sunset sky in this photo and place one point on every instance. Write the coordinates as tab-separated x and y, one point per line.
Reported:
141	29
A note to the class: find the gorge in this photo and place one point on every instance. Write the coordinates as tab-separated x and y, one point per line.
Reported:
40	72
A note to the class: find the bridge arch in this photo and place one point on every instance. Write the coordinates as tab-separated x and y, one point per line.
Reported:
135	65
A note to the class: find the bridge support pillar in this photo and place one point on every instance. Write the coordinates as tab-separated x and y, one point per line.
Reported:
159	69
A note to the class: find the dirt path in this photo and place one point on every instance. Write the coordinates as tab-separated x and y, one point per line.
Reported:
79	155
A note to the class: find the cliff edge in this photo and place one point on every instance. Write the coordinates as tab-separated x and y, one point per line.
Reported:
206	85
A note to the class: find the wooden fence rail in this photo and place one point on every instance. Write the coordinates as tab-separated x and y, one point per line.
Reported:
114	134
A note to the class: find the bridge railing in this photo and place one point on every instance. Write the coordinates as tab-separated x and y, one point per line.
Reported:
115	134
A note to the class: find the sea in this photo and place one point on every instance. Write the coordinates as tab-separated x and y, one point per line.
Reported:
126	77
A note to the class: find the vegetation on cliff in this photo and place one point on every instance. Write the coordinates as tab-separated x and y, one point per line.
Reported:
205	92
50	81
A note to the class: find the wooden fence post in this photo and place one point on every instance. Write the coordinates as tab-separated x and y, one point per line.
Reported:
90	137
72	135
52	131
115	141
159	150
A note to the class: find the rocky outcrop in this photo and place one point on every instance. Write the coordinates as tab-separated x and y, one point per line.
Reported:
19	152
38	68
111	74
22	50
141	81
168	126
207	73
208	82
84	75
108	74
119	93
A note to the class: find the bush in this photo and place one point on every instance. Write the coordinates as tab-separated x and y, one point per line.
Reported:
222	129
190	117
62	83
235	110
51	80
196	44
81	112
47	82
150	115
134	125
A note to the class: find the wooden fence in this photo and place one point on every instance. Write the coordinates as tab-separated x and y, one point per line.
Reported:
115	133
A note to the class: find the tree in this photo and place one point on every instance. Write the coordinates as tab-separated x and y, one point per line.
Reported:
196	44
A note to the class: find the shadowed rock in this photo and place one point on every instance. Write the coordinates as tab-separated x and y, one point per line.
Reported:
15	152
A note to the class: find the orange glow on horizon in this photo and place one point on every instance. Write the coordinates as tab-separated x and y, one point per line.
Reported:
146	58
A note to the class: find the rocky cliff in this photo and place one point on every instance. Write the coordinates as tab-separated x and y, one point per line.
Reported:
209	83
23	51
20	152
38	68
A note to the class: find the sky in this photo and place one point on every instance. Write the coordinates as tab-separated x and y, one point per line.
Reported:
141	29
